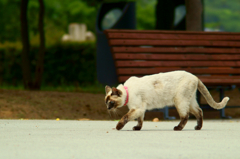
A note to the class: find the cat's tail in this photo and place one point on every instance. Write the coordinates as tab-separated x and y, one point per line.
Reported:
204	91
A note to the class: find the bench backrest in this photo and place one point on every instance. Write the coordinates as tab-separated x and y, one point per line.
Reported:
209	55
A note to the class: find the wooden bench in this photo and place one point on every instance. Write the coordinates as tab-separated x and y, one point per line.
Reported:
212	56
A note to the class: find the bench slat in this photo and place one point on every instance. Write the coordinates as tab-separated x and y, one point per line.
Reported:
170	36
174	50
127	56
145	71
170	32
177	63
213	56
130	42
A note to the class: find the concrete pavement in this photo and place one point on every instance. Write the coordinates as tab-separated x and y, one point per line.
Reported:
33	139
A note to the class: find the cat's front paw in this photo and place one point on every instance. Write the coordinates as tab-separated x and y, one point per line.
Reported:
198	127
137	128
177	128
119	126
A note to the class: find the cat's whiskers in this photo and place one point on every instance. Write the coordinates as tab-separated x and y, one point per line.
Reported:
113	113
116	112
110	114
119	112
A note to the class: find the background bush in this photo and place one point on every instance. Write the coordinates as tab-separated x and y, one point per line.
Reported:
65	64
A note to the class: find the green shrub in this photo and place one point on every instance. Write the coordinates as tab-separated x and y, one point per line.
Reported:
10	63
64	64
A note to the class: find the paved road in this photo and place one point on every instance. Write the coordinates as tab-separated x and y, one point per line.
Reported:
40	139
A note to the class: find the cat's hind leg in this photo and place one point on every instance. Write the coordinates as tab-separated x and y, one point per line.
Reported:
197	112
182	123
185	95
183	111
131	115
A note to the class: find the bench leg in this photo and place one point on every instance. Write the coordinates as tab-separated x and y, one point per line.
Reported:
166	114
222	111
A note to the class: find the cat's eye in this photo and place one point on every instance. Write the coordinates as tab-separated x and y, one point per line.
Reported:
112	102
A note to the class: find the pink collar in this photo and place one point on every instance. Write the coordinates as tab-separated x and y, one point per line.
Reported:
126	88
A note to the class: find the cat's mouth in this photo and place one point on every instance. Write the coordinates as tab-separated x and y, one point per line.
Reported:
110	107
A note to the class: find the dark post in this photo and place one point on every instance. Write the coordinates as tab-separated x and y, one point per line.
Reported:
26	46
106	72
41	53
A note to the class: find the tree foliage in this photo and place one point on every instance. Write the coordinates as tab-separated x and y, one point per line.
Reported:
145	14
218	14
10	22
222	15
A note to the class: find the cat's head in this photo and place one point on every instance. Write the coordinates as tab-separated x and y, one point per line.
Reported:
113	98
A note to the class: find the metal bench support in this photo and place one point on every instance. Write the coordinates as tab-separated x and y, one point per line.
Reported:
166	114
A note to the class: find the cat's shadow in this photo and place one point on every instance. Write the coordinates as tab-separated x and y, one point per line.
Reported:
184	130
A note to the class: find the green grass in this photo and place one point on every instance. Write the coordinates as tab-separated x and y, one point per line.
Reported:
11	87
93	88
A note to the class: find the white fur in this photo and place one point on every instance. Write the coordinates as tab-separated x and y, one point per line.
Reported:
164	89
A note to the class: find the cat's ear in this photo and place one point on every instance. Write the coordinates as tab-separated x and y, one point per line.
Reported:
116	91
107	89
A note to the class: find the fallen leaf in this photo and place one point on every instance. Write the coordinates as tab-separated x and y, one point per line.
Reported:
155	120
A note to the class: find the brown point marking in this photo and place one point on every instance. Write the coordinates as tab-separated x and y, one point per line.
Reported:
139	125
116	91
107	99
119	126
181	124
107	89
199	121
137	128
140	122
124	120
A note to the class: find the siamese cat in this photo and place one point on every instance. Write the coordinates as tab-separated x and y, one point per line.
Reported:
176	88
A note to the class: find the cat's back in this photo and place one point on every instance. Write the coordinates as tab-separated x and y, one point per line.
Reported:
169	81
172	76
176	75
